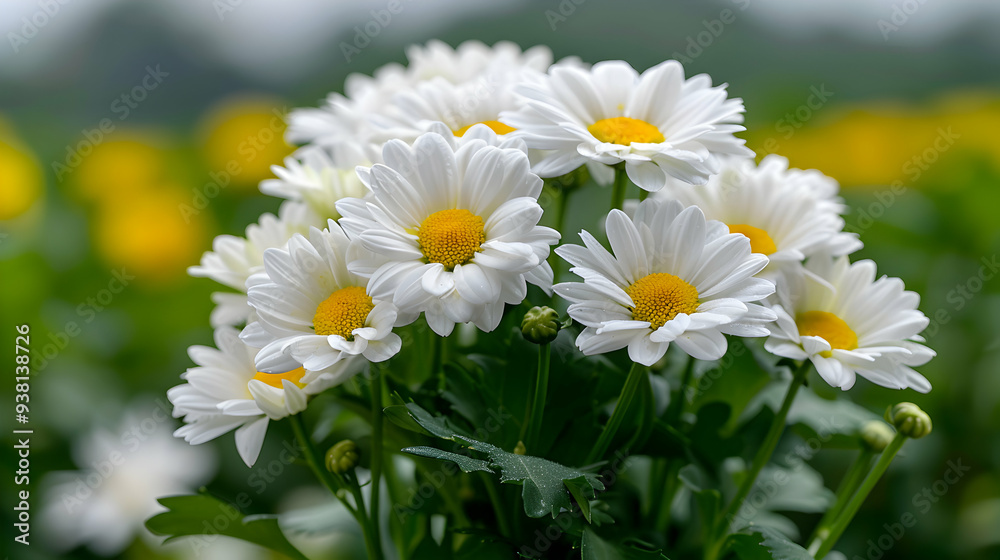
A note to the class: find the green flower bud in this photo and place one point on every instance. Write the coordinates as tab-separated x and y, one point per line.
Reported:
540	325
876	435
342	457
909	420
520	449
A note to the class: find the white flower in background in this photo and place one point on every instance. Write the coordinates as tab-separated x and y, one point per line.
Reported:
459	107
451	227
233	259
122	473
340	126
310	176
777	208
364	113
312	312
657	123
672	277
474	59
226	392
849	324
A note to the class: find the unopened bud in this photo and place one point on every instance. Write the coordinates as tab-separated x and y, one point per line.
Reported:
876	435
342	457
520	449
909	420
540	325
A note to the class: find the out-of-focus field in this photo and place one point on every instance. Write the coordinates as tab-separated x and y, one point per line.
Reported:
104	202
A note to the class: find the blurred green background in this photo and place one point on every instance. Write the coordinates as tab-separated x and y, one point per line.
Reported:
899	101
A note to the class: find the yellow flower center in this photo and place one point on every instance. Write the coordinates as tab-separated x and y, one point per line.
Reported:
659	297
451	237
625	130
496	126
342	312
760	241
274	379
829	327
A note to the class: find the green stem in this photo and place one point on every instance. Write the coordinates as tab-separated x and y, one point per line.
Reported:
635	376
330	482
855	474
309	450
498	509
374	548
560	221
437	363
763	455
377	448
852	507
559	225
620	187
396	495
676	408
657	482
537	410
661	521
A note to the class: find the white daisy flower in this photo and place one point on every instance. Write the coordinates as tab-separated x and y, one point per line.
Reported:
849	324
310	176
672	277
233	259
459	107
473	59
361	116
226	392
336	125
122	473
658	124
451	227
777	208
312	312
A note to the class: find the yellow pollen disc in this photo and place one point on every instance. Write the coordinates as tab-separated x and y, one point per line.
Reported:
760	241
451	237
342	312
829	327
659	297
496	126
274	379
625	130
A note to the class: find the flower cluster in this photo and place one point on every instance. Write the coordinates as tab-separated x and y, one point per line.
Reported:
416	194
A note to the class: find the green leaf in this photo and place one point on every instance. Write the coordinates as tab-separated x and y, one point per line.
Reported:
708	499
799	488
578	489
834	422
464	462
732	380
596	548
400	416
197	515
438	426
545	489
795	487
763	543
593	547
708	440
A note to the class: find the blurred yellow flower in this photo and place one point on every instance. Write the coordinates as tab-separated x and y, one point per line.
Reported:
117	168
976	116
878	143
249	132
21	181
146	233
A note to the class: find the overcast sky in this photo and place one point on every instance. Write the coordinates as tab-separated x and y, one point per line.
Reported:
295	28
